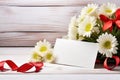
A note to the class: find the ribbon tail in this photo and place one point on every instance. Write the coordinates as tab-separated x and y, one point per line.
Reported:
38	66
10	63
107	25
2	65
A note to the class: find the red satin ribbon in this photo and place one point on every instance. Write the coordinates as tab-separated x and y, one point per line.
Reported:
27	66
24	68
10	63
110	67
108	23
38	65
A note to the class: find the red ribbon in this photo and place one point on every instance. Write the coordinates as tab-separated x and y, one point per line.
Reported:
24	68
10	63
111	66
38	65
108	23
27	66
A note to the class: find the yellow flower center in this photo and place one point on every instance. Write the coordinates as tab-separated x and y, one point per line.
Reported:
89	10
107	45
35	56
43	48
49	56
108	10
88	27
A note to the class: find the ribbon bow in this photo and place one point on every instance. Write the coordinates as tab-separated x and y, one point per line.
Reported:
108	23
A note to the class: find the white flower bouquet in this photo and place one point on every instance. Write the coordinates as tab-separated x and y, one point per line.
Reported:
95	24
98	24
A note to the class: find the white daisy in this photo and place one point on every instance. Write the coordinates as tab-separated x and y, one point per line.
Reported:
107	44
86	27
36	57
72	31
80	19
90	9
42	47
49	57
107	9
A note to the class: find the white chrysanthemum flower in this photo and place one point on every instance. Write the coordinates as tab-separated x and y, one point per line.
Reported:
36	57
86	27
42	47
107	44
49	57
72	31
80	19
90	9
107	9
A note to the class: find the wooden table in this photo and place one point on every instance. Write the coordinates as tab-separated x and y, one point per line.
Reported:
51	71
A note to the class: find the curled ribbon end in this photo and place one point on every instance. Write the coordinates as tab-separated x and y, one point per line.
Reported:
111	66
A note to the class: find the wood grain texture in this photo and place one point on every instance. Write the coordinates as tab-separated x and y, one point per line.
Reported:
45	2
27	38
24	22
24	26
36	18
54	2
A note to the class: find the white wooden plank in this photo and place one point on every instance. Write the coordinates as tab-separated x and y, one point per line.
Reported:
44	2
117	2
36	18
53	27
54	2
61	77
27	38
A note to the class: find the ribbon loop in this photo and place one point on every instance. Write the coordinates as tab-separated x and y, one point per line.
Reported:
108	23
104	18
111	66
10	63
117	14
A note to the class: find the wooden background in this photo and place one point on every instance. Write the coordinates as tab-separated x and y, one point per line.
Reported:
24	22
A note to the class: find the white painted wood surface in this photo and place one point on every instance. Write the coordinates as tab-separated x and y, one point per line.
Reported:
36	18
27	38
54	2
45	2
61	77
21	55
24	22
